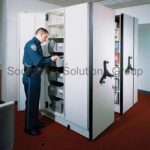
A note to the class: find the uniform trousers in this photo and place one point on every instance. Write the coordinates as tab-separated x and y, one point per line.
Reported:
32	87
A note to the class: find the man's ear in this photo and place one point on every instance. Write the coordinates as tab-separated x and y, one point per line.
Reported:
41	34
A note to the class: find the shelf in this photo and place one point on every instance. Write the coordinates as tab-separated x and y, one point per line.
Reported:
50	112
117	65
117	28
55	113
56	25
59	37
56	37
57	13
57	96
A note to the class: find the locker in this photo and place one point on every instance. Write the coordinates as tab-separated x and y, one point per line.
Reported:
71	92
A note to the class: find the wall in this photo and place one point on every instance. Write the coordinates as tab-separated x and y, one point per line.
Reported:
2	27
11	53
142	13
144	53
3	39
3	20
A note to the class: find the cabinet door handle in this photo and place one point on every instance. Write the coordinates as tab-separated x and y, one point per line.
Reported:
106	73
129	67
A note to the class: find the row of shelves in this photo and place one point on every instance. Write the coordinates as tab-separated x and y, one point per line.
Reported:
55	23
117	61
55	26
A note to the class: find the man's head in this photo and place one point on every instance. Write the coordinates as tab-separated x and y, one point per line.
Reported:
41	34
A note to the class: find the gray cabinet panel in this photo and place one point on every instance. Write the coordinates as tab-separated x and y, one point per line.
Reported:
128	58
103	50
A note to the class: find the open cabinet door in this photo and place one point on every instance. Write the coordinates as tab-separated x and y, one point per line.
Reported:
102	96
26	32
28	23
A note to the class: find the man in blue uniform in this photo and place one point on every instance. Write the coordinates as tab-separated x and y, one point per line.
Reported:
34	61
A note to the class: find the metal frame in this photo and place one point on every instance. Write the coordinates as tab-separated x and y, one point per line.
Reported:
90	70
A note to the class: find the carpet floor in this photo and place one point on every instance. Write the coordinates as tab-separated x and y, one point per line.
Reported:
129	132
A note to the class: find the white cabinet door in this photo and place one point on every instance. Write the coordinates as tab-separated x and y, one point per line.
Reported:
40	22
26	32
76	61
28	23
127	52
103	50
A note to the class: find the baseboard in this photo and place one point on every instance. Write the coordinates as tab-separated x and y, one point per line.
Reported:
1	102
143	91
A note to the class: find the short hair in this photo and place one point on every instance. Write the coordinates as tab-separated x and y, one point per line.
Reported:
41	30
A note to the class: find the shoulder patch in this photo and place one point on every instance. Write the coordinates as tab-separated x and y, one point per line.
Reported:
33	47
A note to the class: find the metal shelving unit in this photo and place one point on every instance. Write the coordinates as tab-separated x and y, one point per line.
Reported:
55	87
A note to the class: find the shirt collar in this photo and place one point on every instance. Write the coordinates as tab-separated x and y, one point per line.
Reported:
38	42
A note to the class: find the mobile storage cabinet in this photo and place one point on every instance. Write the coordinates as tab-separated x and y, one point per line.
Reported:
93	76
126	48
75	90
83	37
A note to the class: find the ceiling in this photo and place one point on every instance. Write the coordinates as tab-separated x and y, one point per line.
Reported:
124	3
67	2
110	3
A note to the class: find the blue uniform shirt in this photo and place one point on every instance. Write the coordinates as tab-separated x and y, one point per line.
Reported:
33	54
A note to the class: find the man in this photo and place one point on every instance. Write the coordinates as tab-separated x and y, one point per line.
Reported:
34	61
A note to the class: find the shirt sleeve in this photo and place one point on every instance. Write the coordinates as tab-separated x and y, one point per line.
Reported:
44	61
36	58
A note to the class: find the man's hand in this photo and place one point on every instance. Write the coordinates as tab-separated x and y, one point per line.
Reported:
54	58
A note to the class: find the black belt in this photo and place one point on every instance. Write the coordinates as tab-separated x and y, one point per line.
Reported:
33	69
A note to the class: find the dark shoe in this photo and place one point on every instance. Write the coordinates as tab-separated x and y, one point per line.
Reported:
39	125
33	132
